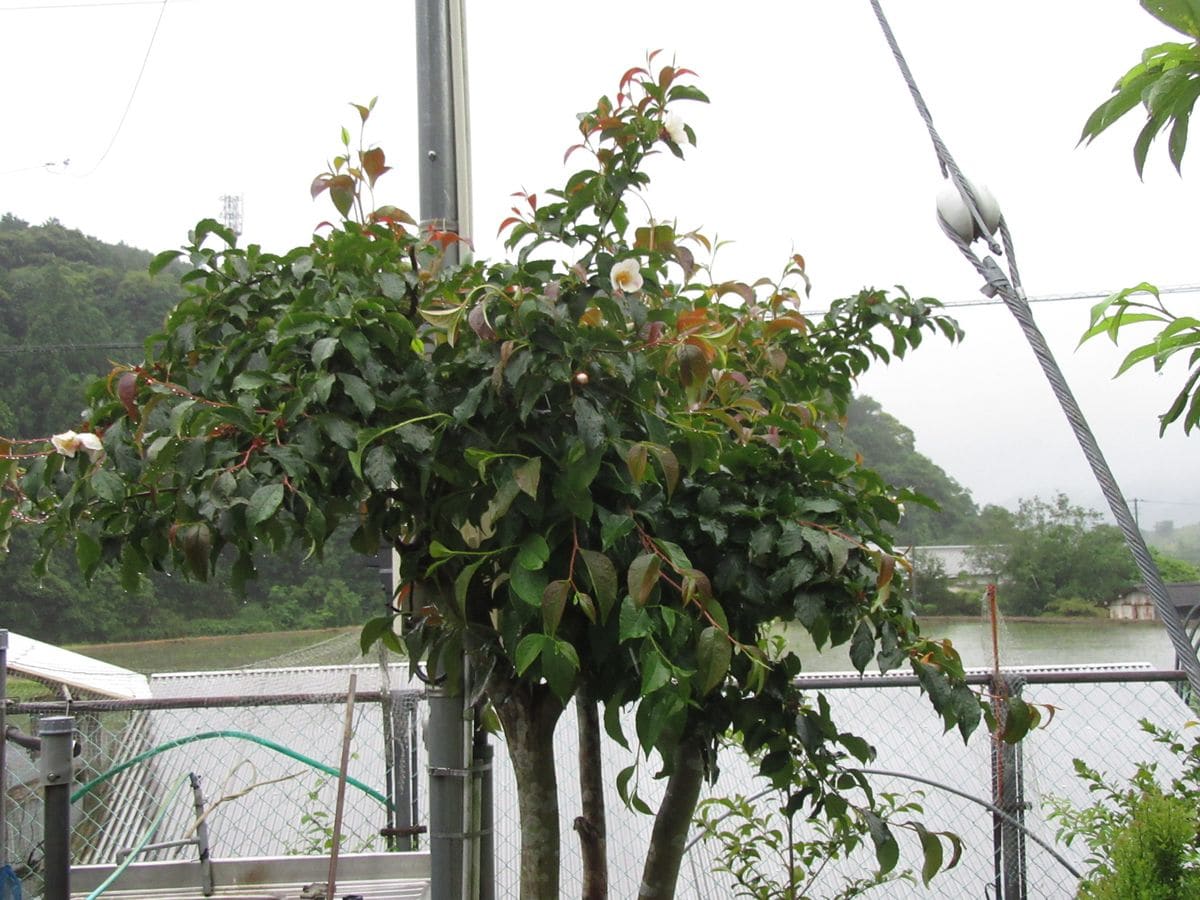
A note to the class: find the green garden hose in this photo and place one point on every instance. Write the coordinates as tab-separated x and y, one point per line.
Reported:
242	735
142	841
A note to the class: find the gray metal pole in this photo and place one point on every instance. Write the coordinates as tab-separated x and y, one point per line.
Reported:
484	757
447	770
57	736
439	69
3	747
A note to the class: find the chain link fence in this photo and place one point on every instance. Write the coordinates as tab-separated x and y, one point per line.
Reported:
259	753
267	764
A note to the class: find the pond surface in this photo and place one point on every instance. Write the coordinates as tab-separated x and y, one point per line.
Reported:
1023	643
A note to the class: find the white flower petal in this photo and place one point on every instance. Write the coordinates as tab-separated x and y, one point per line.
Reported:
66	443
91	443
673	126
627	276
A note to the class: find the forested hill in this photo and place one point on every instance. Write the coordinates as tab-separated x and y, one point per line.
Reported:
69	304
889	447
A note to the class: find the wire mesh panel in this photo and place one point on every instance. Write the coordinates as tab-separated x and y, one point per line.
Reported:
267	767
1096	721
259	755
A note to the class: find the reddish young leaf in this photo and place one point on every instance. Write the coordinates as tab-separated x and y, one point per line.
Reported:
373	164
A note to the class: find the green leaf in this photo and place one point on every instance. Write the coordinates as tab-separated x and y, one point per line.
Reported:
264	502
367	436
636	460
635	621
642	577
528	650
373	630
589	423
554	601
931	848
87	553
603	576
302	266
1182	15
1017	720
533	553
714	653
859	748
528	584
887	851
670	466
528	474
164	259
560	665
462	583
195	540
359	392
862	646
380	467
323	349
109	486
613	529
655	672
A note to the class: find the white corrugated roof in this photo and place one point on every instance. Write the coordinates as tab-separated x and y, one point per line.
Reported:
54	665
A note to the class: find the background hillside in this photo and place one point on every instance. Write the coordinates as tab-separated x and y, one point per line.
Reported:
71	306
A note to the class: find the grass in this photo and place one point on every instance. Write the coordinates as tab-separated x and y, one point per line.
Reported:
190	654
203	654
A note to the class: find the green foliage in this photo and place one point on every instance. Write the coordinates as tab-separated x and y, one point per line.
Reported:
937	508
60	289
1141	835
934	593
1165	83
772	856
1075	608
609	469
1177	334
1056	552
1173	569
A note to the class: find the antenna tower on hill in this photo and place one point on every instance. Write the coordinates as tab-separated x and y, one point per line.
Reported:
231	212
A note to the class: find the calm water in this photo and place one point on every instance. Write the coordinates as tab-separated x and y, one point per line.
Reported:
1025	643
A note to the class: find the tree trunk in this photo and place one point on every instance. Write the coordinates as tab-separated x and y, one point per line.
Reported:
529	714
673	822
591	824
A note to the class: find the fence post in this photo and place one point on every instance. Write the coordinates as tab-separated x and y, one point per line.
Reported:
57	771
484	757
1008	793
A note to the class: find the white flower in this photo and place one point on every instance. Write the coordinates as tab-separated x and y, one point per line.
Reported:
673	126
68	443
627	276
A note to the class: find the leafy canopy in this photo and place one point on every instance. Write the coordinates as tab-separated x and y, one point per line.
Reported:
596	462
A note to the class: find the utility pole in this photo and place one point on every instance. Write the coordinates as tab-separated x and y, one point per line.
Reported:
457	852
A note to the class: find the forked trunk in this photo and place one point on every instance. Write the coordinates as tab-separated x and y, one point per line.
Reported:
673	821
590	825
529	714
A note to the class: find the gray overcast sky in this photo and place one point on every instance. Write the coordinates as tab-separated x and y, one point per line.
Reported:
811	144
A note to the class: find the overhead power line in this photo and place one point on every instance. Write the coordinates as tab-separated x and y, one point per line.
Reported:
35	7
132	94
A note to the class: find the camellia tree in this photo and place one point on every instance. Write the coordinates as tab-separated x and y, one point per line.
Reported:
604	472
